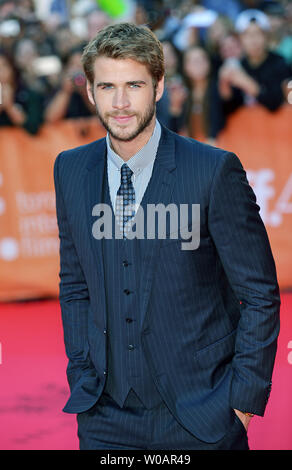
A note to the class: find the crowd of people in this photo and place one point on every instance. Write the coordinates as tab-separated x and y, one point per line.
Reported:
219	56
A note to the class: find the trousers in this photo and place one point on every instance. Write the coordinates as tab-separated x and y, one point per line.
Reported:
133	427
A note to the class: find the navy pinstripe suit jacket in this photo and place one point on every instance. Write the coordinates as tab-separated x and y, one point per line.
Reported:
210	316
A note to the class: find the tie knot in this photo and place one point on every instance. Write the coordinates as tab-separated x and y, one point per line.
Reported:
126	172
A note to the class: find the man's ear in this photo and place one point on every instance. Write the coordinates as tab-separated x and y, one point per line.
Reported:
159	89
89	87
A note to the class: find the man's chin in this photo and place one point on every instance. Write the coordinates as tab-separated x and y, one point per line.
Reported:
120	131
126	135
123	136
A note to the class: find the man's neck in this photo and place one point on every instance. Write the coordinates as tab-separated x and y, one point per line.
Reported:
127	149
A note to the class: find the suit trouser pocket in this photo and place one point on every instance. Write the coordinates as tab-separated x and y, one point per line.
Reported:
239	423
236	438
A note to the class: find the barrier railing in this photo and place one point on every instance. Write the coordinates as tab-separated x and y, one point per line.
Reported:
29	244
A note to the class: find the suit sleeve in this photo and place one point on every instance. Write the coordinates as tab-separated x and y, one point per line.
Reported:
244	249
73	294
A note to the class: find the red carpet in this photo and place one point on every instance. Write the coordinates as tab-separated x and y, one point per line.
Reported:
33	386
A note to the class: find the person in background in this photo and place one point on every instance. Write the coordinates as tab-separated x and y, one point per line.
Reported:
221	28
64	41
259	76
96	20
205	114
25	53
21	106
25	9
172	107
280	40
70	100
36	31
230	48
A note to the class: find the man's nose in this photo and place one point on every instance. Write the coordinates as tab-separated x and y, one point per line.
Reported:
120	99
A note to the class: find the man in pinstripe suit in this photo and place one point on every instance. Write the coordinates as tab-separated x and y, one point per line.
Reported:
168	348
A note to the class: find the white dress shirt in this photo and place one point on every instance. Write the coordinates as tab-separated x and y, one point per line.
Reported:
141	165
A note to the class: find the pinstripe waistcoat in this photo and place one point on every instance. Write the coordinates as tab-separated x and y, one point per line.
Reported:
127	367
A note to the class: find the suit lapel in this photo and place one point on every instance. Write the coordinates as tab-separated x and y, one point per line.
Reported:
159	190
93	185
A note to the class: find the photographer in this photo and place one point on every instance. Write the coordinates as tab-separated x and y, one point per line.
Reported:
70	99
259	76
20	106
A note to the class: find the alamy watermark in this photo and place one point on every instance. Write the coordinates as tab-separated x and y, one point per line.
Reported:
182	224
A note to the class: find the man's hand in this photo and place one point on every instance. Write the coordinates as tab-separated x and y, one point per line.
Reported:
230	76
243	418
7	96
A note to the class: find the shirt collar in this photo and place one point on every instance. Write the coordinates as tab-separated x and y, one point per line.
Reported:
142	158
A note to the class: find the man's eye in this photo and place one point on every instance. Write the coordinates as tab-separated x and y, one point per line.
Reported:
131	85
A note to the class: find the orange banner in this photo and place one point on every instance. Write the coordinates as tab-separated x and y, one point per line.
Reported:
29	244
263	142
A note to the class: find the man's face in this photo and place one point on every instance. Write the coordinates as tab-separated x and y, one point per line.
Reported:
124	96
253	40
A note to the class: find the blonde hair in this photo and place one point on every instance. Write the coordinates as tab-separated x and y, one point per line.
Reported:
125	41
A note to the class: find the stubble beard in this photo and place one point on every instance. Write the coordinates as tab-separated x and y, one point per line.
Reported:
143	121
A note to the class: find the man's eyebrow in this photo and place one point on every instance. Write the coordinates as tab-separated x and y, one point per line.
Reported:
132	82
137	82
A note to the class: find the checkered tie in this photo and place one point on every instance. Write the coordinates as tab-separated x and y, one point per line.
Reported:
125	200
